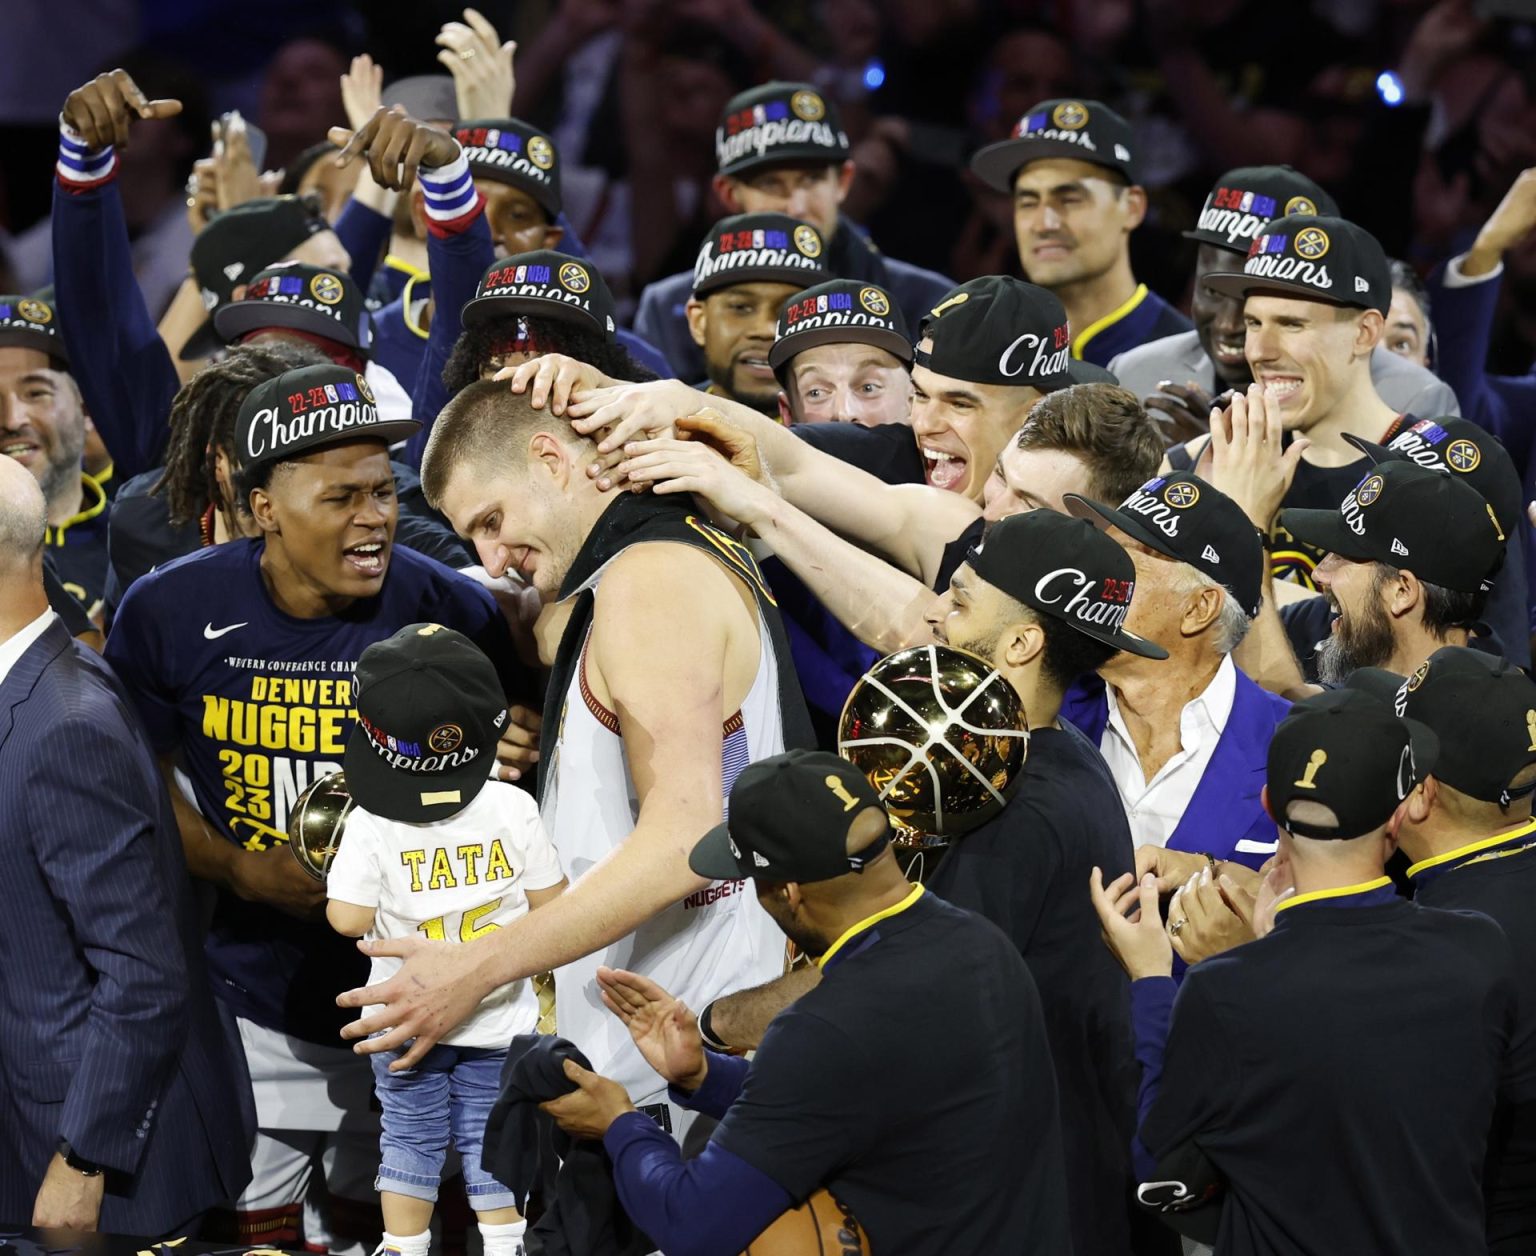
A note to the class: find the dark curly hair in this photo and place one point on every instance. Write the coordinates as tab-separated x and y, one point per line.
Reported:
477	345
202	420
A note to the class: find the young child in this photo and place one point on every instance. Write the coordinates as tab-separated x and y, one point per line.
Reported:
434	846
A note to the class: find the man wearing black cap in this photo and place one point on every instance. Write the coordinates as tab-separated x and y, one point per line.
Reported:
1185	739
780	148
1315	293
842	354
841	1094
1180	374
1409	557
1070	171
250	703
1469	834
42	426
748	266
1327	1088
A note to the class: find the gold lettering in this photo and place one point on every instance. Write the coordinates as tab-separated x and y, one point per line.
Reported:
442	871
469	856
1319	757
215	717
496	866
413	859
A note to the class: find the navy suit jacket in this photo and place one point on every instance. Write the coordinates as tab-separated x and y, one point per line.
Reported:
109	1034
1225	816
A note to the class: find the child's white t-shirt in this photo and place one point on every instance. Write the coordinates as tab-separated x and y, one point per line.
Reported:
452	879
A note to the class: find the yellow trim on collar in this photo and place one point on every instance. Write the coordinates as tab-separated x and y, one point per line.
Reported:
1114	316
54	534
1338	892
1472	848
855	930
405	267
405	305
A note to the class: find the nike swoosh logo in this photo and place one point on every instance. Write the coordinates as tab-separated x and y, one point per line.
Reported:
213	634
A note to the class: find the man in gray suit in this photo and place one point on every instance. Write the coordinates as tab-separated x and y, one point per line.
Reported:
1178	375
124	1101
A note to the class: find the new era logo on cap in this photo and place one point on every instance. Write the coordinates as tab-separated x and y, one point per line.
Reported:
1314	256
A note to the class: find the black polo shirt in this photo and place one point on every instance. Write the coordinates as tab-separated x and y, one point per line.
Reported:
1340	1074
1027	871
915	1083
1498	878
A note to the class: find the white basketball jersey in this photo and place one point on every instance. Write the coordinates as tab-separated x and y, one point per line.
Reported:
717	940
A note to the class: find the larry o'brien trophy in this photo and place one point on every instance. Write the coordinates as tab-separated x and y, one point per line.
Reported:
316	823
942	736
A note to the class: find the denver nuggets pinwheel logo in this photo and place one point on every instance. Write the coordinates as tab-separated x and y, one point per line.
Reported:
1369	491
34	311
541	152
873	300
1311	243
1070	115
574	277
326	289
807	241
808	106
1183	495
1301	205
1463	456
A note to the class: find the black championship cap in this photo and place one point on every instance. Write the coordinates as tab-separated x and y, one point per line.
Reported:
238	243
314	299
1065	568
1185	518
759	248
1463	449
999	330
31	323
1483	710
845	311
1084	130
778	124
544	284
1427	522
426	97
789	818
1244	199
429	711
1313	256
1349	752
508	150
304	409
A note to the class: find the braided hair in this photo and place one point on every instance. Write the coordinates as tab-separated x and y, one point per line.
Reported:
202	421
477	346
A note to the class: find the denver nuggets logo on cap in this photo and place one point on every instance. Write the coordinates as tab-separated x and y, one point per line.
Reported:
34	311
325	289
364	391
875	301
1070	115
1311	243
541	152
1417	678
1463	455
445	738
574	277
1300	205
807	241
1369	491
1182	495
808	105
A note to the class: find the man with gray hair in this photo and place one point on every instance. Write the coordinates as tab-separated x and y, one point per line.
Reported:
1185	739
113	1060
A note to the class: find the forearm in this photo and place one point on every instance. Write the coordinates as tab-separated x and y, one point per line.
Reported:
712	1205
741	1019
724	1076
364	227
881	605
209	857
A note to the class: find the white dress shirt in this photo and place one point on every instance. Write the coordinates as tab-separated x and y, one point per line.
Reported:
1155	807
14	647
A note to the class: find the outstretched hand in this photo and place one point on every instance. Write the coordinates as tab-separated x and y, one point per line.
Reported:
396	145
662	1027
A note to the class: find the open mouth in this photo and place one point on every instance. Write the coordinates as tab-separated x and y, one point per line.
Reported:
943	469
21	450
1228	350
1282	389
367	559
755	365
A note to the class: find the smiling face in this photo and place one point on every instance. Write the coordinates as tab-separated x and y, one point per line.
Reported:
329	521
972	615
1033	479
849	383
518	223
1307	352
1072	220
1360	634
734	326
962	427
42	419
518	520
1219	317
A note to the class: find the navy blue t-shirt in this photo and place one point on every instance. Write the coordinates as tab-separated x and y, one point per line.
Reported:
256	705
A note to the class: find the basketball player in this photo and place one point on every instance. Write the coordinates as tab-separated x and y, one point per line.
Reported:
239	658
671	675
